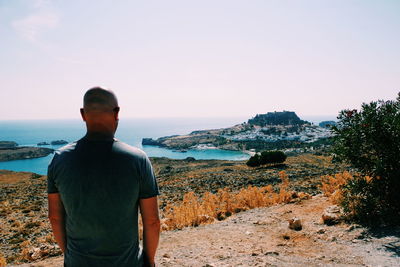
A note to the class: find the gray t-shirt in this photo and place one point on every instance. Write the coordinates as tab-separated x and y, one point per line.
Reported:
100	184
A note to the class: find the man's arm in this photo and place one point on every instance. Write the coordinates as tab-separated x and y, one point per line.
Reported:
151	228
57	219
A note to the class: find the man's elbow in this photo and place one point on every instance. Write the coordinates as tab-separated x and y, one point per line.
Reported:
55	218
154	223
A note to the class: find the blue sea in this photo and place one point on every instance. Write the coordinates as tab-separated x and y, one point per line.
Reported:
131	131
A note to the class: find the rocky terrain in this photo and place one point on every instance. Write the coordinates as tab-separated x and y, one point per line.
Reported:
274	130
261	237
23	152
258	237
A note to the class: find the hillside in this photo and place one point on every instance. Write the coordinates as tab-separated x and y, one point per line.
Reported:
273	130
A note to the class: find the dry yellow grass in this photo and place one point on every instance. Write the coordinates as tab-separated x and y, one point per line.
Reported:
11	177
3	261
193	211
332	185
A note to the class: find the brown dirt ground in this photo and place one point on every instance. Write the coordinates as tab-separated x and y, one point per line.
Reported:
261	237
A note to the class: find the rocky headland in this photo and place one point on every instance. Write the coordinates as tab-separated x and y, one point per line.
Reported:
273	130
15	152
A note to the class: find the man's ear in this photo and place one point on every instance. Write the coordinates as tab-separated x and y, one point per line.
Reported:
116	113
83	114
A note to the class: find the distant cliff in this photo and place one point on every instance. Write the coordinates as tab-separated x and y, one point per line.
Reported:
277	118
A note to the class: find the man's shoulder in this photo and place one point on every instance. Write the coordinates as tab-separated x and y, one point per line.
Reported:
127	149
63	152
65	149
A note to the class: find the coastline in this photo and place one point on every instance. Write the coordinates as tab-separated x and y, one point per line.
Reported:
23	152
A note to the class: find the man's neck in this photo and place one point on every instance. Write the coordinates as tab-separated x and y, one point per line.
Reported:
97	136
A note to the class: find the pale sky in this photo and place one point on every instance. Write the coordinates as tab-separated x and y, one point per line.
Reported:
204	58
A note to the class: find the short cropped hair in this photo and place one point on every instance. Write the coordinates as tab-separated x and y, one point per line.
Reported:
98	98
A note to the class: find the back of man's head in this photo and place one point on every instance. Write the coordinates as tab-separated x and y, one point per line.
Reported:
100	112
99	99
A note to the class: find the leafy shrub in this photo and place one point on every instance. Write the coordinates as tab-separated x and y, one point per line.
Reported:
369	140
362	200
254	161
266	157
272	157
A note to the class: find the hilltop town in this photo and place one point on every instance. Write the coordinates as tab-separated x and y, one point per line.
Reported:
273	130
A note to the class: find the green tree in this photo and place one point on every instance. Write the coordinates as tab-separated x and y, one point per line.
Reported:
254	161
369	140
272	157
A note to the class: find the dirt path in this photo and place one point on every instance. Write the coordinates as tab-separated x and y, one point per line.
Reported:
261	237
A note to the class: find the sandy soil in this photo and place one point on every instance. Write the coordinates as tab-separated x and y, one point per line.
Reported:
261	237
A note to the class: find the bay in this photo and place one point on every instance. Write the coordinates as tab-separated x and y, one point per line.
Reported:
131	131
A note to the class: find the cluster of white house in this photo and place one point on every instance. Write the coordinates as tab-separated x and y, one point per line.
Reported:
306	133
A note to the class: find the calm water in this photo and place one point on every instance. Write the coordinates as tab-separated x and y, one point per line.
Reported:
131	131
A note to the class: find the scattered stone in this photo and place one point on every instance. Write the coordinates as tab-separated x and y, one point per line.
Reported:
321	231
363	235
166	255
352	227
271	253
260	223
295	224
36	254
393	247
332	215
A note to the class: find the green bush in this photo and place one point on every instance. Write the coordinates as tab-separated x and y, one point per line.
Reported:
362	201
254	161
272	157
369	140
266	157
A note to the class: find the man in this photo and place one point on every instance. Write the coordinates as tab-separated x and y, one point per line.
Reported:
95	187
